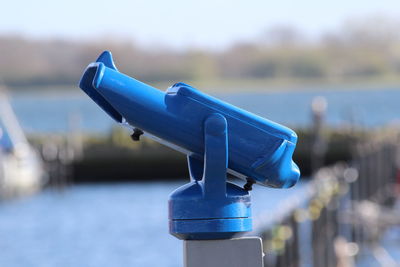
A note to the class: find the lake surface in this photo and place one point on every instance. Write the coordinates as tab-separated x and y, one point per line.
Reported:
104	225
126	224
44	112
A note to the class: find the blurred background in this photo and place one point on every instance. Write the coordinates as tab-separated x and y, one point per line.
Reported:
75	190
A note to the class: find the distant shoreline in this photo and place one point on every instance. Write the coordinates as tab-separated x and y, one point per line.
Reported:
239	86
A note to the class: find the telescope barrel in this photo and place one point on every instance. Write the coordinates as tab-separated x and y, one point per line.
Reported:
258	149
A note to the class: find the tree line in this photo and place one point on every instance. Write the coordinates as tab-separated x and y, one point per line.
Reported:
359	50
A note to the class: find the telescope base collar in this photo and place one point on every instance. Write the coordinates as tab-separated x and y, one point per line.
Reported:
209	229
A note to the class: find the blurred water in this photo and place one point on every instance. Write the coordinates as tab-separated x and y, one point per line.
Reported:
102	225
126	224
44	112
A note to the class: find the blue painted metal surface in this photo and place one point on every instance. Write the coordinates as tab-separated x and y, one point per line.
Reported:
258	148
217	138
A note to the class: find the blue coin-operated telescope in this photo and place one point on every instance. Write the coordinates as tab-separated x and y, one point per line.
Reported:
217	138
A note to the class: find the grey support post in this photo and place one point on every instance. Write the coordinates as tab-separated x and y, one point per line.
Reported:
236	252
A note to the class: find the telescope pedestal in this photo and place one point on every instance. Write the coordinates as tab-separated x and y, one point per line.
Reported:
208	207
236	252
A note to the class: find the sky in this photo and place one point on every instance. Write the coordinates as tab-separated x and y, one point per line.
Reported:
181	23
